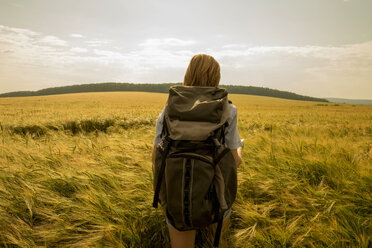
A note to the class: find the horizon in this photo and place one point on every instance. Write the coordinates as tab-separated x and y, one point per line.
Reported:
336	98
318	49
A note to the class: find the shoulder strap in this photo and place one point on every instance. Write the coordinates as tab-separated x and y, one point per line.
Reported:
226	124
218	232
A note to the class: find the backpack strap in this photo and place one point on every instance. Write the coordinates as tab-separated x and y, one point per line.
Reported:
220	156
218	136
223	128
217	236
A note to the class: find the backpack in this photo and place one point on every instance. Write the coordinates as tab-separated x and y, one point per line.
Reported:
195	176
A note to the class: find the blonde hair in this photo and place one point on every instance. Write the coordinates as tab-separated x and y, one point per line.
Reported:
203	70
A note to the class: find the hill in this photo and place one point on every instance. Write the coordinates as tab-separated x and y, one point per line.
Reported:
160	88
350	101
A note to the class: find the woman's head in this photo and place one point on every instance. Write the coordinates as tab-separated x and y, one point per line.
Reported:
203	70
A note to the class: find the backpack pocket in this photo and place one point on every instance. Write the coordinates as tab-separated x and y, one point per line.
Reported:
226	163
160	155
189	180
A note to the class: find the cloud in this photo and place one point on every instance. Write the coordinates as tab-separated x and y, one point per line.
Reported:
234	46
7	51
78	50
77	35
16	5
98	43
341	71
166	42
152	54
53	40
344	54
16	36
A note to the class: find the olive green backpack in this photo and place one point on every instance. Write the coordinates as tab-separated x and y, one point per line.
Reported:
195	175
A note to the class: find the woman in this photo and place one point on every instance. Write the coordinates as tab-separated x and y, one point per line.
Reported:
203	70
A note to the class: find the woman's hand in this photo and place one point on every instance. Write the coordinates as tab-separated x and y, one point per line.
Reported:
237	154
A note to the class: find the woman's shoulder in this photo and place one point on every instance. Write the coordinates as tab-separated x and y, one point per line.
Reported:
233	110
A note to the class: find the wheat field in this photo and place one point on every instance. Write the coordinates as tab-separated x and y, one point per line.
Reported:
75	171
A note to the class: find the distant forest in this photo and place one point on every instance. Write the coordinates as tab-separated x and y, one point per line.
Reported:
160	88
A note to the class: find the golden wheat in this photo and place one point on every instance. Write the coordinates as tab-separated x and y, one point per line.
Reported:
75	171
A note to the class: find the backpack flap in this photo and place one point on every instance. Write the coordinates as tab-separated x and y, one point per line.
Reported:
193	112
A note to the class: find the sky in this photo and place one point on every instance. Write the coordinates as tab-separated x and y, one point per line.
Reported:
319	48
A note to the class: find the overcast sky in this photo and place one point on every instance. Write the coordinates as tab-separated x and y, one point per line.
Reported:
320	48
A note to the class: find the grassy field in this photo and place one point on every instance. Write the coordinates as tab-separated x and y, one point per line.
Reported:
75	171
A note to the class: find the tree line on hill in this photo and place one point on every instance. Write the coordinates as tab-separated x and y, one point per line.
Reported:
159	88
